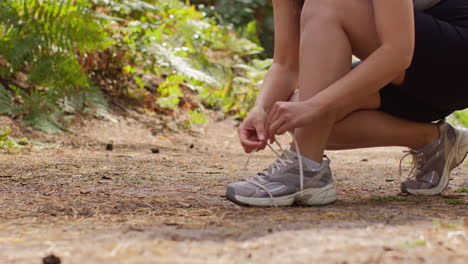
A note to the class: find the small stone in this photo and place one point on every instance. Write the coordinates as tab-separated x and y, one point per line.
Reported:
364	160
136	229
109	146
155	150
51	259
185	205
85	191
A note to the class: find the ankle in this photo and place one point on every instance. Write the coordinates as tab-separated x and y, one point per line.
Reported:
430	135
312	156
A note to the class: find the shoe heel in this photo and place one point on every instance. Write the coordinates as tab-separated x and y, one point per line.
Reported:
319	196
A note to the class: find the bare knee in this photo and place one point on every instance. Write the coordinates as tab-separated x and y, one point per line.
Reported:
321	11
371	102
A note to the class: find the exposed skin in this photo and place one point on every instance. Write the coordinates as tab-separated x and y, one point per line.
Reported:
336	106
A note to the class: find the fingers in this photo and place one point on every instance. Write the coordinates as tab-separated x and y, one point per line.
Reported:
276	119
287	126
249	139
255	132
272	117
279	123
260	130
281	120
248	144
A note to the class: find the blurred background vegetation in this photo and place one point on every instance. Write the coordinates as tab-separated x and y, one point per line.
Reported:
63	58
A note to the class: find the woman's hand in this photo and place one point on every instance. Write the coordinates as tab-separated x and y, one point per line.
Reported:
252	132
287	116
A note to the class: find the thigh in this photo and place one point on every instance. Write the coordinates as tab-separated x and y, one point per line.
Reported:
371	102
436	83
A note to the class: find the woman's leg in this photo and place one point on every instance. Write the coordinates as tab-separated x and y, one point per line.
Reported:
325	56
371	128
361	126
331	30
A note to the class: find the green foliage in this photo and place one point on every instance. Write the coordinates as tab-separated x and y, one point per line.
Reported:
413	244
455	201
236	12
197	117
8	143
170	91
449	226
5	141
54	55
379	199
461	190
461	117
40	42
253	18
174	40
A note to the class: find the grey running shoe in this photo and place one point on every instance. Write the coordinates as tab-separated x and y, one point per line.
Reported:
280	185
433	163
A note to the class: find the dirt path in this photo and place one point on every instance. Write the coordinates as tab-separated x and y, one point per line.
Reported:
129	205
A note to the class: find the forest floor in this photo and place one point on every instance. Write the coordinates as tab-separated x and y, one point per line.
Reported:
75	199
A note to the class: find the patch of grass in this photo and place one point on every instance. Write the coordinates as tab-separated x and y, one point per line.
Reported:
461	190
5	141
9	143
455	201
450	226
389	198
413	244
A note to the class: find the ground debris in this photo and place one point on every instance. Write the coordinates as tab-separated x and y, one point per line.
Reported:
155	150
109	146
87	191
51	259
171	208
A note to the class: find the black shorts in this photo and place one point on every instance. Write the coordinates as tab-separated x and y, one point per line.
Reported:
436	83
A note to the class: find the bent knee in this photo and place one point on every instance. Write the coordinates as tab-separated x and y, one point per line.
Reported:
323	10
371	102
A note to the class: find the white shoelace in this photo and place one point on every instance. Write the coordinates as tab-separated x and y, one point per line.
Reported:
276	166
416	163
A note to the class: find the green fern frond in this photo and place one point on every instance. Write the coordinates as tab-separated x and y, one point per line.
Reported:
42	39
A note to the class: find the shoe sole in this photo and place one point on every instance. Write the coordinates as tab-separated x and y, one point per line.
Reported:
454	159
309	197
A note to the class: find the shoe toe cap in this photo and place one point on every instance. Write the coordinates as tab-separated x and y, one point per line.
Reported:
241	188
414	184
235	189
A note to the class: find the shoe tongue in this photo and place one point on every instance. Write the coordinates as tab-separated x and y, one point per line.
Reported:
290	155
286	155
